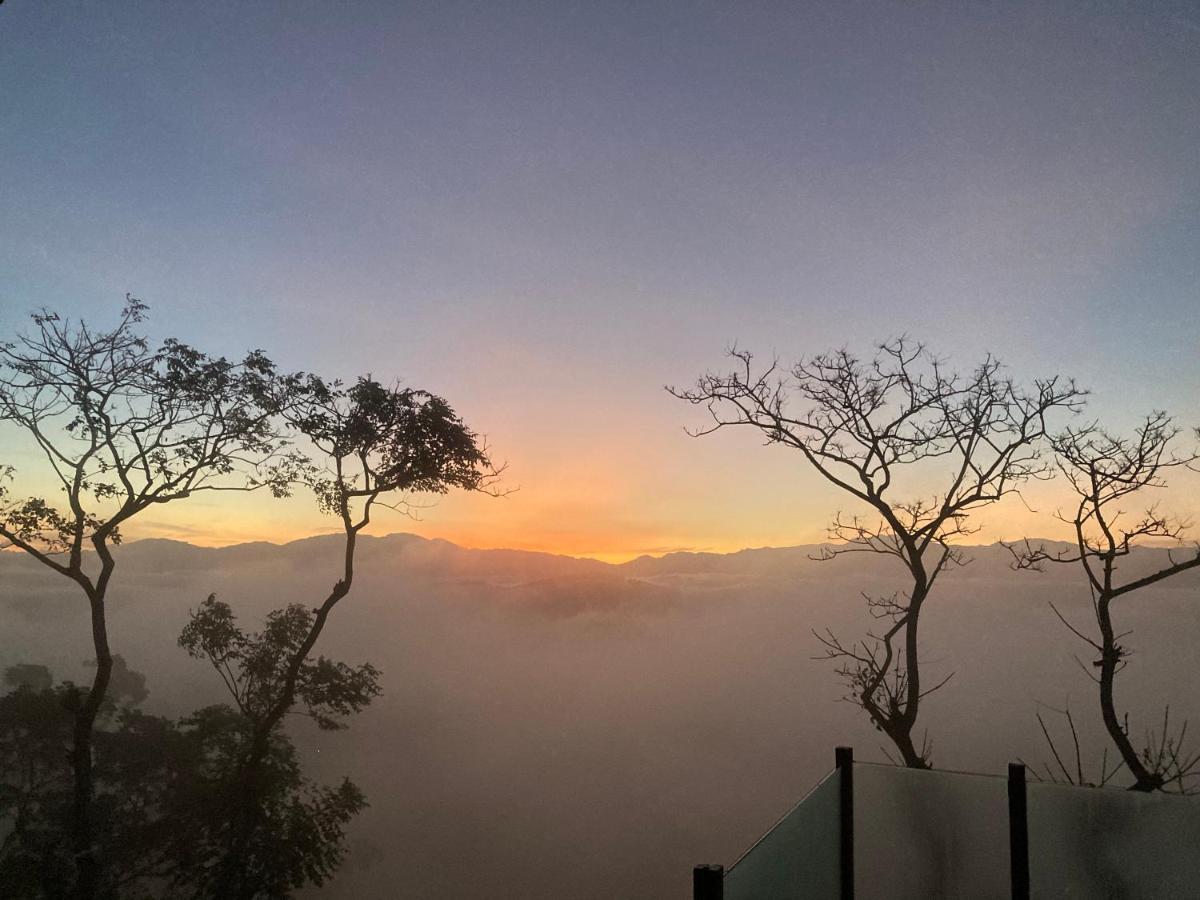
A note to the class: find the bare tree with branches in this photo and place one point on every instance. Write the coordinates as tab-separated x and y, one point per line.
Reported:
1104	470
122	428
376	447
876	428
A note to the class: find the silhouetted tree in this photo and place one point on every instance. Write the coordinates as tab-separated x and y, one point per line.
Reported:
36	784
35	787
880	428
162	794
255	666
122	428
297	841
374	446
1104	470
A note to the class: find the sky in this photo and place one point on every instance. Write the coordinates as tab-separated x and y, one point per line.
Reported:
547	212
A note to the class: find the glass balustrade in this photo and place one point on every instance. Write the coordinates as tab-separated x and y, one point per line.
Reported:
938	834
1112	843
796	858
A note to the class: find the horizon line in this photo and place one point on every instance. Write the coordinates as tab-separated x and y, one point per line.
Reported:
616	558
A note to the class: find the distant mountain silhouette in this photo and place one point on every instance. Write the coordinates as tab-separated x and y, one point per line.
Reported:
542	583
437	557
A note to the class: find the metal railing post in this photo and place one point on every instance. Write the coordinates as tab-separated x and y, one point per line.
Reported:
708	883
844	760
1018	831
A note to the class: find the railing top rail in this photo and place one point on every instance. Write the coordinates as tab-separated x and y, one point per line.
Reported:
1112	790
934	771
1032	779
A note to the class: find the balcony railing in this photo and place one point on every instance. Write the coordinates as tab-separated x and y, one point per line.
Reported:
870	831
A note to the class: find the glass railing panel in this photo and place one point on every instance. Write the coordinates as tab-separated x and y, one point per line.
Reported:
799	857
1112	843
929	834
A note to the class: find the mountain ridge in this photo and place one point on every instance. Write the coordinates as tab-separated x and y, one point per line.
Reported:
439	558
409	537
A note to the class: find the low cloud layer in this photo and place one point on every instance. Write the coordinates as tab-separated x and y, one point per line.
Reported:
568	728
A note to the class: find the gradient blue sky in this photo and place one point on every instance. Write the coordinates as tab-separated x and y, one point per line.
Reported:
545	212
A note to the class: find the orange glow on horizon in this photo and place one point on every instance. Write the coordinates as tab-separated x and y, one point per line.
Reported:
611	545
614	507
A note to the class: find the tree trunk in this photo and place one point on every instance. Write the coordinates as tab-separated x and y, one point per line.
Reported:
87	863
902	738
1110	659
912	667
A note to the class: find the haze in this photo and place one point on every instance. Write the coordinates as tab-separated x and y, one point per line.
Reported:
572	729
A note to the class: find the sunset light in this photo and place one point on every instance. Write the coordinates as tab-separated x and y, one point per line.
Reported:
524	449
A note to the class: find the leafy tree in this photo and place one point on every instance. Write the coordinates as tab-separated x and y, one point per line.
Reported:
36	784
163	794
1104	470
122	428
254	667
373	446
299	835
881	430
35	788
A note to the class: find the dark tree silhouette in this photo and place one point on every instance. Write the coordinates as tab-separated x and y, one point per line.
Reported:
36	784
300	840
880	428
162	792
1104	470
254	667
374	446
122	428
287	849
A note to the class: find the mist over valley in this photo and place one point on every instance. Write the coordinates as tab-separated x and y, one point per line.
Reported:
572	728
